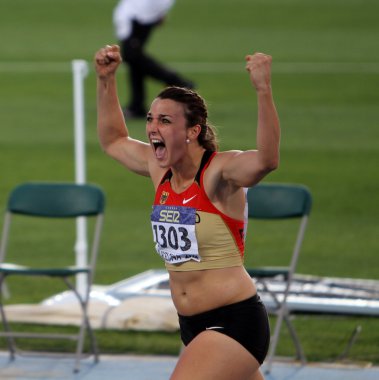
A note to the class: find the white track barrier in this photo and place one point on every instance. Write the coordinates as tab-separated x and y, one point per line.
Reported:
80	71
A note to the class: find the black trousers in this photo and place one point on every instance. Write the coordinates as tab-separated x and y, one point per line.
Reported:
141	65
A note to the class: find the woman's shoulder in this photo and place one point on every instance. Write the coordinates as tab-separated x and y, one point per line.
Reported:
217	164
224	156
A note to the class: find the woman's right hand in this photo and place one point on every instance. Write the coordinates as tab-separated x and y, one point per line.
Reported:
107	59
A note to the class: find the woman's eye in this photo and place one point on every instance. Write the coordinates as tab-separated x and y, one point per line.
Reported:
149	119
165	121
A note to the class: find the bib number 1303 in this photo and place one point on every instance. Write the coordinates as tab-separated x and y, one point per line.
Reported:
174	233
172	237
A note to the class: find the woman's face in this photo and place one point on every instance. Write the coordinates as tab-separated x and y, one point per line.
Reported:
166	129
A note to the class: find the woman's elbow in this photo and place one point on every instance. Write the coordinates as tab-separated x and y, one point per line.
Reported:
107	148
274	165
270	165
104	147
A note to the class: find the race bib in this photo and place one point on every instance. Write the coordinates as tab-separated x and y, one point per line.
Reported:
174	233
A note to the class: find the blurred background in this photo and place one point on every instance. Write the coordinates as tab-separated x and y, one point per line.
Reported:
325	81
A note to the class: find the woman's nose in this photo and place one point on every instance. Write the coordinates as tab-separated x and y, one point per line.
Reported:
152	126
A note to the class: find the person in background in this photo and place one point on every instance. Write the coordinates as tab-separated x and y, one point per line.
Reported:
134	22
198	216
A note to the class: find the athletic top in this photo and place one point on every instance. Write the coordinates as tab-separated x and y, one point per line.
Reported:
190	233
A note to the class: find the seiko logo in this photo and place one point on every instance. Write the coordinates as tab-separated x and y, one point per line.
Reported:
170	216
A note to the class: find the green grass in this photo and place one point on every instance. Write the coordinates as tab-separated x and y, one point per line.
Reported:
329	116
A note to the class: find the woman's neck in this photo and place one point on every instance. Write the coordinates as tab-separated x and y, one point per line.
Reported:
184	174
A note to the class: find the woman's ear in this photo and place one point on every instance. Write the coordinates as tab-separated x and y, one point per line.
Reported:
193	132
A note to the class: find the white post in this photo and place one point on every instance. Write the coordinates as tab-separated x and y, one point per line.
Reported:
80	71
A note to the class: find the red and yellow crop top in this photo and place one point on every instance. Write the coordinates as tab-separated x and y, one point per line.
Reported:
189	232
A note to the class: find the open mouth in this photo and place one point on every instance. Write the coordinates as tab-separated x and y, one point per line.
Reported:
157	143
160	148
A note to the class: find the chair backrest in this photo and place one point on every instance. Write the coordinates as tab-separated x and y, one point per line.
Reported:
278	201
55	200
58	200
282	201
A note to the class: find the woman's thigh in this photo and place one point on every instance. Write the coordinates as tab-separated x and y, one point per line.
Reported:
212	355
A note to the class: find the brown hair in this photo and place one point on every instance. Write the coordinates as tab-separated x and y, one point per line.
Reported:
195	111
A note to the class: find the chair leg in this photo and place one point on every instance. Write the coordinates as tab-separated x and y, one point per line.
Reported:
79	347
10	340
87	327
282	314
274	343
299	350
84	326
93	342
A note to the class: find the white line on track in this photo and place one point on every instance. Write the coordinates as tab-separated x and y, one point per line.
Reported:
212	67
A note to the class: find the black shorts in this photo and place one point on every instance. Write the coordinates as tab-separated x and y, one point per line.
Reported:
245	321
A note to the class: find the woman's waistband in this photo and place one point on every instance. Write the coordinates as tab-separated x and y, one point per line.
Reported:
249	301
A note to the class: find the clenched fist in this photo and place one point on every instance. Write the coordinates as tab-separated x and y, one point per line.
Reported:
259	67
107	59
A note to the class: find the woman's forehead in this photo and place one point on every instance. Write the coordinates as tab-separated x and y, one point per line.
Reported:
167	107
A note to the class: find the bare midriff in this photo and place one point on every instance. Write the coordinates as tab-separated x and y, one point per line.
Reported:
194	292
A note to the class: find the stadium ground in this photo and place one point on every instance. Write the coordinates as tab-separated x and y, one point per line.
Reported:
131	367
